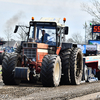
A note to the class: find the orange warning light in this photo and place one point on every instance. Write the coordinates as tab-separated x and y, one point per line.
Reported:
33	18
64	19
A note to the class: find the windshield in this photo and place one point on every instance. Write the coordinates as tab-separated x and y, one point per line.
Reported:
44	34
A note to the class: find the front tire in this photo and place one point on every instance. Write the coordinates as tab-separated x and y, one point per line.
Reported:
76	66
10	61
51	70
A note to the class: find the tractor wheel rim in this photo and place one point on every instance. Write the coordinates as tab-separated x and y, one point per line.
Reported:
56	71
28	71
78	65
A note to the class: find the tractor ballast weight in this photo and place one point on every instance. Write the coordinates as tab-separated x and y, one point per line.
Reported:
44	57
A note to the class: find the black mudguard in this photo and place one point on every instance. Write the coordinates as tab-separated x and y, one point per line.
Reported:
68	46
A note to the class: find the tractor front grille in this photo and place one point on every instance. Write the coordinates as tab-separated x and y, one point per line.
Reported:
30	53
30	50
29	45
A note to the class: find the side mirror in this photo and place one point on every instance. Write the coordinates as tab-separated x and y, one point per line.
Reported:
66	30
16	28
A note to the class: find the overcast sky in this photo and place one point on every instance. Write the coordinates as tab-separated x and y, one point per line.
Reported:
20	11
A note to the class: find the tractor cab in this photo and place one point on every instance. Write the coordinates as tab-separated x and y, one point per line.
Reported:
43	32
47	32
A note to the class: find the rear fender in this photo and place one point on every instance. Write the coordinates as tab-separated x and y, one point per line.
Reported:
68	46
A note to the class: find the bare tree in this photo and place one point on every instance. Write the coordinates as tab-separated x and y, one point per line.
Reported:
8	34
10	23
76	38
22	34
93	10
70	40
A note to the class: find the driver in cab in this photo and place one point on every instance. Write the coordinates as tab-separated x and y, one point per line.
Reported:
44	37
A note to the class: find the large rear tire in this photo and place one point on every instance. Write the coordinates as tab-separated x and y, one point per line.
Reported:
10	61
65	58
76	66
51	70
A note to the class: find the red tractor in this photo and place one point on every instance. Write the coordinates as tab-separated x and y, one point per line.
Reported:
45	56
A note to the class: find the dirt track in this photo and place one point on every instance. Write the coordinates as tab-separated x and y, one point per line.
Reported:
27	91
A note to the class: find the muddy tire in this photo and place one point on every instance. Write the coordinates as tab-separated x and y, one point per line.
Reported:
18	49
51	70
76	66
65	59
10	61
